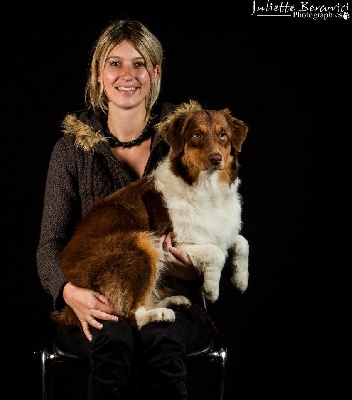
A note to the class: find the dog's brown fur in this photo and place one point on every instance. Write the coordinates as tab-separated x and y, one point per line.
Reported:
116	251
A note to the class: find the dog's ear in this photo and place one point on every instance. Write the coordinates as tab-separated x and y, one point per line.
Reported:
174	125
172	129
239	130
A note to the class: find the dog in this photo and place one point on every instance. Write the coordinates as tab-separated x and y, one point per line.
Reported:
116	249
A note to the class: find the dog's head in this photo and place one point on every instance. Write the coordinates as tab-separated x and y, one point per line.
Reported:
203	141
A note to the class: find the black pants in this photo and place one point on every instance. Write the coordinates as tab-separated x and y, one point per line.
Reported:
126	362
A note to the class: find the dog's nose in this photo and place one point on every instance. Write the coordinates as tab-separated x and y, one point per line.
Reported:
215	158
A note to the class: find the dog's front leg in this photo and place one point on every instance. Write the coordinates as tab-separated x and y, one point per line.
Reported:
209	259
239	277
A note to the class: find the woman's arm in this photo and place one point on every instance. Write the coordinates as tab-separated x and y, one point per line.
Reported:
61	211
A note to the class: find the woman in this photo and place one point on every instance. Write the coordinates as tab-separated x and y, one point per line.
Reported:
106	147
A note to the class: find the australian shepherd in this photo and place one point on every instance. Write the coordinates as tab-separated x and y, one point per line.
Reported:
116	249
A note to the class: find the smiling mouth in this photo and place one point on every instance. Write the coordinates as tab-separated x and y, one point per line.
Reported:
127	89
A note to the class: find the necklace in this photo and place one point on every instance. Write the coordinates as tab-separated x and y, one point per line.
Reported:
114	142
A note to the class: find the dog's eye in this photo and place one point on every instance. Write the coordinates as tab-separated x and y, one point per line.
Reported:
222	135
197	135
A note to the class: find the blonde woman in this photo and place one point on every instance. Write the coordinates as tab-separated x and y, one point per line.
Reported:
104	148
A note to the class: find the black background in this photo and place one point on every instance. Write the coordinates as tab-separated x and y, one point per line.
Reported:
287	79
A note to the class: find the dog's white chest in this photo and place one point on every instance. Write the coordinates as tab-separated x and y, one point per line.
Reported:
209	212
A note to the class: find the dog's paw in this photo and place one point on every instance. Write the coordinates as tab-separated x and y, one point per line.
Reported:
211	294
181	301
175	301
211	290
160	314
240	280
163	314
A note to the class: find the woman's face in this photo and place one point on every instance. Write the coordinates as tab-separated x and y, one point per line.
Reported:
125	77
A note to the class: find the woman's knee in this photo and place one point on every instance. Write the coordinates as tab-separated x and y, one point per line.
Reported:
115	335
163	338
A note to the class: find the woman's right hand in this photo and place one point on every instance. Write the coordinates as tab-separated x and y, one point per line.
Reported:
179	263
89	306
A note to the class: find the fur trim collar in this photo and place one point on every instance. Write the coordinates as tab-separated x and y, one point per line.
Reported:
85	137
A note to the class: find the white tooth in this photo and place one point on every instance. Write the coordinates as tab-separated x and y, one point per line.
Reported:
126	88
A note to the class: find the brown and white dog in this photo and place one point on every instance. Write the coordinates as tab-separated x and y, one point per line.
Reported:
116	249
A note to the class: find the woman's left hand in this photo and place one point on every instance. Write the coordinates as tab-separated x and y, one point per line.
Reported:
179	262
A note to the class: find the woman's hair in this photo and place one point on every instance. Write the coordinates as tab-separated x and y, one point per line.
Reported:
145	42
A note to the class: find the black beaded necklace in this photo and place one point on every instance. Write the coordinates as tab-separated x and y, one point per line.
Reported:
114	142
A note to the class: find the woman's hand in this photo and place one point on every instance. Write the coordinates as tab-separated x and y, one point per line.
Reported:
89	306
179	262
